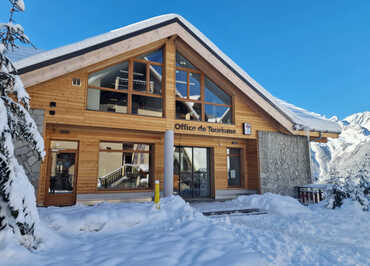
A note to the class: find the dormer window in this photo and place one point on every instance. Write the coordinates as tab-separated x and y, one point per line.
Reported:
133	86
198	97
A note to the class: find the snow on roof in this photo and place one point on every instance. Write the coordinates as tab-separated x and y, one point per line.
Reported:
301	118
22	52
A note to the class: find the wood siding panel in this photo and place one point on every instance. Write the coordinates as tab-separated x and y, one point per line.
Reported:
73	122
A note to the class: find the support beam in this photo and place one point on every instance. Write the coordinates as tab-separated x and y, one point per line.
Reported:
168	163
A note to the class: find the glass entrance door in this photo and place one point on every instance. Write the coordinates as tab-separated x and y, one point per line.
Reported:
192	169
62	164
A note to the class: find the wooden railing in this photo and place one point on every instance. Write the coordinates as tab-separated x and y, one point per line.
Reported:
309	195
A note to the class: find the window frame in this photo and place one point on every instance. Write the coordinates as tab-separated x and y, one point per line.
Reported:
151	162
202	100
130	90
241	169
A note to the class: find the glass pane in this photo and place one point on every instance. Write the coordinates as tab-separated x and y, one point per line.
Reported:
181	84
155	85
110	146
194	86
201	185
93	99
213	94
113	102
233	168
218	114
156	56
183	62
176	161
139	76
186	169
188	111
62	171
124	170
146	105
115	77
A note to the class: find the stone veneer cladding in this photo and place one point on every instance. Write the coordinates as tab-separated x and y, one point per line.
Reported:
28	158
284	162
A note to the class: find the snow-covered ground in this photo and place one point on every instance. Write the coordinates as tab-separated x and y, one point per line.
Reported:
346	153
178	234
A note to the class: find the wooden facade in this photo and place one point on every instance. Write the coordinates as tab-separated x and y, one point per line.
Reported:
67	118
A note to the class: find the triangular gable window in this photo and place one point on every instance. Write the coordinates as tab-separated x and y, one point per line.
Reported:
133	86
181	61
153	56
198	97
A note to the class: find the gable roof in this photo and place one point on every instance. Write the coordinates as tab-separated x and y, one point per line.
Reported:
300	119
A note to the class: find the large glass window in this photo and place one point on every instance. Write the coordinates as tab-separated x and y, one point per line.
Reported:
233	167
132	87
124	166
197	97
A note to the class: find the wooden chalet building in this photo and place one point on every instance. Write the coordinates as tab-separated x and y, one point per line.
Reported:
157	100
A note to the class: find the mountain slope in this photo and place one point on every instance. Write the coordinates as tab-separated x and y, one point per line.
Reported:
346	153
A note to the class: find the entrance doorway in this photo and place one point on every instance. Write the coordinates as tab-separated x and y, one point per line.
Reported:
62	173
192	171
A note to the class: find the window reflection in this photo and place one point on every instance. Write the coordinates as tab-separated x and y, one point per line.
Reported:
144	105
213	94
62	166
126	168
181	61
114	77
107	101
139	76
194	86
196	93
156	56
188	110
155	85
218	114
138	81
233	167
181	84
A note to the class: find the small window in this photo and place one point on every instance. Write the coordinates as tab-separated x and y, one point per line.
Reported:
234	167
76	82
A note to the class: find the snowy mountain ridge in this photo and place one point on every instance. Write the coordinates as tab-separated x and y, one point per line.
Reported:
346	153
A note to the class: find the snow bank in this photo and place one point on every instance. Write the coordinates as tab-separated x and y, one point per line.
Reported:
178	234
109	217
273	203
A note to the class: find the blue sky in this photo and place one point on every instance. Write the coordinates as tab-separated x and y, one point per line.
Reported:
314	54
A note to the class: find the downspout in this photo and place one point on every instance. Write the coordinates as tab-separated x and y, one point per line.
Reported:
307	131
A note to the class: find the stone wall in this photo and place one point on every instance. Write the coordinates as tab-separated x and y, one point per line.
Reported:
284	162
28	158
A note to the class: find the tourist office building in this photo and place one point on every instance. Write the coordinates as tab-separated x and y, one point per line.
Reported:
157	100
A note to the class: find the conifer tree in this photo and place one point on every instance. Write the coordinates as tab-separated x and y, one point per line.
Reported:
18	212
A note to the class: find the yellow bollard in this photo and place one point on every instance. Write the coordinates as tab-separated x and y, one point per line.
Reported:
156	194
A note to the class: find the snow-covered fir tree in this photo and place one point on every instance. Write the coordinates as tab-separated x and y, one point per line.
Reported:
354	185
18	212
